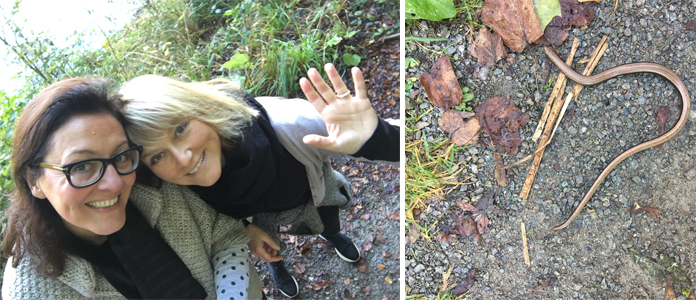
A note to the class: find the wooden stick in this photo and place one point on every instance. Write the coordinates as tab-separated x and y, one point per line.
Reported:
558	88
524	244
550	122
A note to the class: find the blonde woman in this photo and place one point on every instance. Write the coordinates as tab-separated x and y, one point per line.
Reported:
265	158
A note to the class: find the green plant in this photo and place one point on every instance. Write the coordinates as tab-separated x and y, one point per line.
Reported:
469	6
466	98
433	10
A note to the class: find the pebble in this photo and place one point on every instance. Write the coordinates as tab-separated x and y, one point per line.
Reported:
474	169
636	180
419	268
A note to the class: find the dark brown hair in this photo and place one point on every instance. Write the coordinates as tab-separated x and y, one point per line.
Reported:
35	229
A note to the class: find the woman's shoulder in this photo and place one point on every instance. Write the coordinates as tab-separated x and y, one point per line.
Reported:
79	280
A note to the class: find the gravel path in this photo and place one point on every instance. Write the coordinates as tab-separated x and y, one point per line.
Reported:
592	258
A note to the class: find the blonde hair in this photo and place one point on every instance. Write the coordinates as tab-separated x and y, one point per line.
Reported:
153	104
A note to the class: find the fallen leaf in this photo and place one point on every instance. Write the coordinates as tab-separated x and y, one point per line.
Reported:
300	269
440	84
346	293
413	233
576	14
488	48
669	290
514	20
346	281
555	33
572	14
662	116
469	134
546	10
691	25
500	176
363	269
388	280
451	121
367	246
365	217
381	267
466	206
386	254
501	120
544	284
636	208
465	284
366	291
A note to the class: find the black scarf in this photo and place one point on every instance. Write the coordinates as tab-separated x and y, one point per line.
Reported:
138	262
249	179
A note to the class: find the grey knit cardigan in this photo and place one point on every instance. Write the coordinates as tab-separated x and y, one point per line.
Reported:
192	228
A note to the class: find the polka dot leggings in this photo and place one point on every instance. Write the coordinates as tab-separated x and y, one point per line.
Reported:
232	272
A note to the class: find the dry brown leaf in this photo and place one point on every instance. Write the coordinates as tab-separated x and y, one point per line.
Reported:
413	233
440	84
450	121
544	284
488	48
501	120
363	269
468	134
466	206
500	175
465	284
691	25
514	20
381	267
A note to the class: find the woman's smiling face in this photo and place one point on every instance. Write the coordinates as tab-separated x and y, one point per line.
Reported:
189	154
100	209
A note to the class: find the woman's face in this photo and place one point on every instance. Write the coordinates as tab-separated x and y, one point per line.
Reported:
189	154
97	210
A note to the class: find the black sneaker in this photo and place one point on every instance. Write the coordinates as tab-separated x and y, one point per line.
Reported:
283	280
345	248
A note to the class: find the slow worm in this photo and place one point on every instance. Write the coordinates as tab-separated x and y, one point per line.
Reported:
613	72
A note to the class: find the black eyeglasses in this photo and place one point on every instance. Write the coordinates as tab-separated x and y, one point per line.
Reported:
87	172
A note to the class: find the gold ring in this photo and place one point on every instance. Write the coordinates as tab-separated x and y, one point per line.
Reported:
344	94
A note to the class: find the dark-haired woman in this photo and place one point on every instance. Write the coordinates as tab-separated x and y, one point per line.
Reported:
80	228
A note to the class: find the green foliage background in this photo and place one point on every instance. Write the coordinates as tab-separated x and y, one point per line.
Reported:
271	43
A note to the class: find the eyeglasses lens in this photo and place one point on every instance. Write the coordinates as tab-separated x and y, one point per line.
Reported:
88	172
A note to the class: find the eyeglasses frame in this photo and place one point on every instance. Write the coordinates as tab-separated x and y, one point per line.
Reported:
66	168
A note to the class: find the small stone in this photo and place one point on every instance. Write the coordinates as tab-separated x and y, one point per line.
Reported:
636	180
474	169
419	268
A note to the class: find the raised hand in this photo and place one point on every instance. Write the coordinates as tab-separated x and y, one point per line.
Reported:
350	120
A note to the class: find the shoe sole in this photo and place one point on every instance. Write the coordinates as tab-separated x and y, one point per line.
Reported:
341	255
296	286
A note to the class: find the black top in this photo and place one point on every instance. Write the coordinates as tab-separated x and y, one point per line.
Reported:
258	167
139	263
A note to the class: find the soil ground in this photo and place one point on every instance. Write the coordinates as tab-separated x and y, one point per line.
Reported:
592	258
372	220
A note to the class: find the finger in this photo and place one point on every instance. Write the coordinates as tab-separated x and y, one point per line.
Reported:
359	82
312	95
336	80
271	243
324	90
318	141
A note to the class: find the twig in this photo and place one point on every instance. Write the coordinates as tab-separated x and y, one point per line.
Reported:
548	129
524	244
556	93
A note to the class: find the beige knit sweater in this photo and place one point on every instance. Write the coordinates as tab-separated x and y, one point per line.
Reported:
192	228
